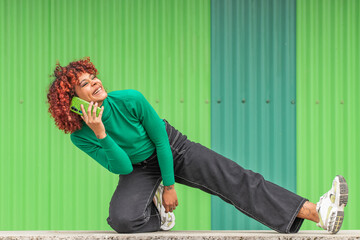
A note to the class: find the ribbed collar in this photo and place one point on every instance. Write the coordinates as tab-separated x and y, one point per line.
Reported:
107	109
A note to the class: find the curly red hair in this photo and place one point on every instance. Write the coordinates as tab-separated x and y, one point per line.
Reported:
62	90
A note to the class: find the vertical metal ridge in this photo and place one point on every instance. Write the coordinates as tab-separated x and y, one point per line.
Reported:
5	159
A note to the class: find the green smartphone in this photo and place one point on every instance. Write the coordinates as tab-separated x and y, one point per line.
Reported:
76	108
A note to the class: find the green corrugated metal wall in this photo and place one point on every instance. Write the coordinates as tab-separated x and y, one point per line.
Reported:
25	164
162	48
159	47
253	94
328	87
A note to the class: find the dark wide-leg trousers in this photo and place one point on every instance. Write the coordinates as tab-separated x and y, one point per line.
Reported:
132	209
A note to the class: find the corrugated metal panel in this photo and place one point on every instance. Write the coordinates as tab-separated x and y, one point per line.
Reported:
328	86
161	48
24	163
253	94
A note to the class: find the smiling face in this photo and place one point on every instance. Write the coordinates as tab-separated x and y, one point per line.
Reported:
90	88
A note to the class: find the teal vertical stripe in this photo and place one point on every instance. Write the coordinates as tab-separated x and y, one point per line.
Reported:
253	94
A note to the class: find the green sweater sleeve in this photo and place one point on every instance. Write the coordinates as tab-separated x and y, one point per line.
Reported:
110	155
155	128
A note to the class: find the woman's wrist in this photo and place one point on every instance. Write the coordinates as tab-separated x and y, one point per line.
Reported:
169	188
100	135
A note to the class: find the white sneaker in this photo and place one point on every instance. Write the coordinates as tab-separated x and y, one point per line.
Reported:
167	219
331	206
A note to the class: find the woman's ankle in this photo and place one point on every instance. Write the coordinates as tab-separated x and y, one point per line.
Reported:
308	211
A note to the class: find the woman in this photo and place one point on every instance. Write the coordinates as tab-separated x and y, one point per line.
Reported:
129	138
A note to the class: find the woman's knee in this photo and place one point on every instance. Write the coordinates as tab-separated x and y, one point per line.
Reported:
122	224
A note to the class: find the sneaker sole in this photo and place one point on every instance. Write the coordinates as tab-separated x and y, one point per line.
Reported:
169	225
341	201
344	192
158	201
338	222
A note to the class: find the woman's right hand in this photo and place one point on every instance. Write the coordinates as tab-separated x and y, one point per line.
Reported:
94	122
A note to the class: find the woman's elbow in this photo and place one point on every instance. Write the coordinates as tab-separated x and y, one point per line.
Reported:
123	171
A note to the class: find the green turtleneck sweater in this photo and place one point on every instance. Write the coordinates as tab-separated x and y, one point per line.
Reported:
133	132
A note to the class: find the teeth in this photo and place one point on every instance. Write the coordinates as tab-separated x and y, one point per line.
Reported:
97	91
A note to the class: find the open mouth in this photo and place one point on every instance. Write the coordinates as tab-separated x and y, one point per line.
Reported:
97	91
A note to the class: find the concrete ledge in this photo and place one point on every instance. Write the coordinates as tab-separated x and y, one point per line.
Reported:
175	235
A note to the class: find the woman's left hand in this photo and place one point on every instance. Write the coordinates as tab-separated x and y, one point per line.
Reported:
170	200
